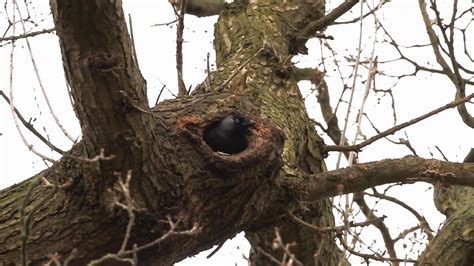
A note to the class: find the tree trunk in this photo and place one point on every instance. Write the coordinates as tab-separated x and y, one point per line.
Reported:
454	243
174	173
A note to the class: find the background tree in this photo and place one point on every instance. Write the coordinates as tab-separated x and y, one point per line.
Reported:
142	185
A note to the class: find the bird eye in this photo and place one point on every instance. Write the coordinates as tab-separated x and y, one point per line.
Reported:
237	120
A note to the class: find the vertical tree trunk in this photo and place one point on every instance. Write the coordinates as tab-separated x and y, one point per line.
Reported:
242	31
454	243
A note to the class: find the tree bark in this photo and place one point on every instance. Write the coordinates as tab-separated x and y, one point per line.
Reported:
174	173
454	243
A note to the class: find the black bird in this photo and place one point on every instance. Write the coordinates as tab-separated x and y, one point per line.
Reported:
228	135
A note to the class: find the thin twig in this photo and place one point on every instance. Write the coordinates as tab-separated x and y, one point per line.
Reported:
195	229
380	225
453	74
423	223
128	206
405	232
394	129
159	95
268	255
40	82
208	69
26	35
97	158
215	250
442	154
328	19
122	256
334	228
349	105
278	241
70	258
346	121
165	23
179	50
373	257
371	12
12	106
134	49
31	128
236	71
406	142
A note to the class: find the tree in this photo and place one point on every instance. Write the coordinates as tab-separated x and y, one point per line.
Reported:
143	185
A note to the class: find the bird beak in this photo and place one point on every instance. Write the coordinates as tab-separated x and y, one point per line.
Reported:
248	123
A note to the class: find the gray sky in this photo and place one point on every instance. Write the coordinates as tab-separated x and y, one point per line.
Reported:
156	53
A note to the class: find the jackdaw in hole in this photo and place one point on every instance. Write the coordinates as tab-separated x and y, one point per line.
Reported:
228	135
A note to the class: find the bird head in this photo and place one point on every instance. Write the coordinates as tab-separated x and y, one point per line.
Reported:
236	123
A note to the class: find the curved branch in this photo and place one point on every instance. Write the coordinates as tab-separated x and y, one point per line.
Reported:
453	75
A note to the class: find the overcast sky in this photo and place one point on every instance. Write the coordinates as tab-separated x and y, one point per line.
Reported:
156	54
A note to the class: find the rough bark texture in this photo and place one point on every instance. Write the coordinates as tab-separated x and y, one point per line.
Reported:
454	243
241	31
174	173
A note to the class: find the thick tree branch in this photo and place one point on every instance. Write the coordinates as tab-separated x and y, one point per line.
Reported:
100	70
452	244
362	176
325	21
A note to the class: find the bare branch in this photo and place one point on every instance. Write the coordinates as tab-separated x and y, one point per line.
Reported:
453	74
328	19
372	11
379	224
279	244
31	128
394	129
40	82
423	223
237	70
362	176
179	49
12	105
26	35
371	256
97	158
128	206
333	228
